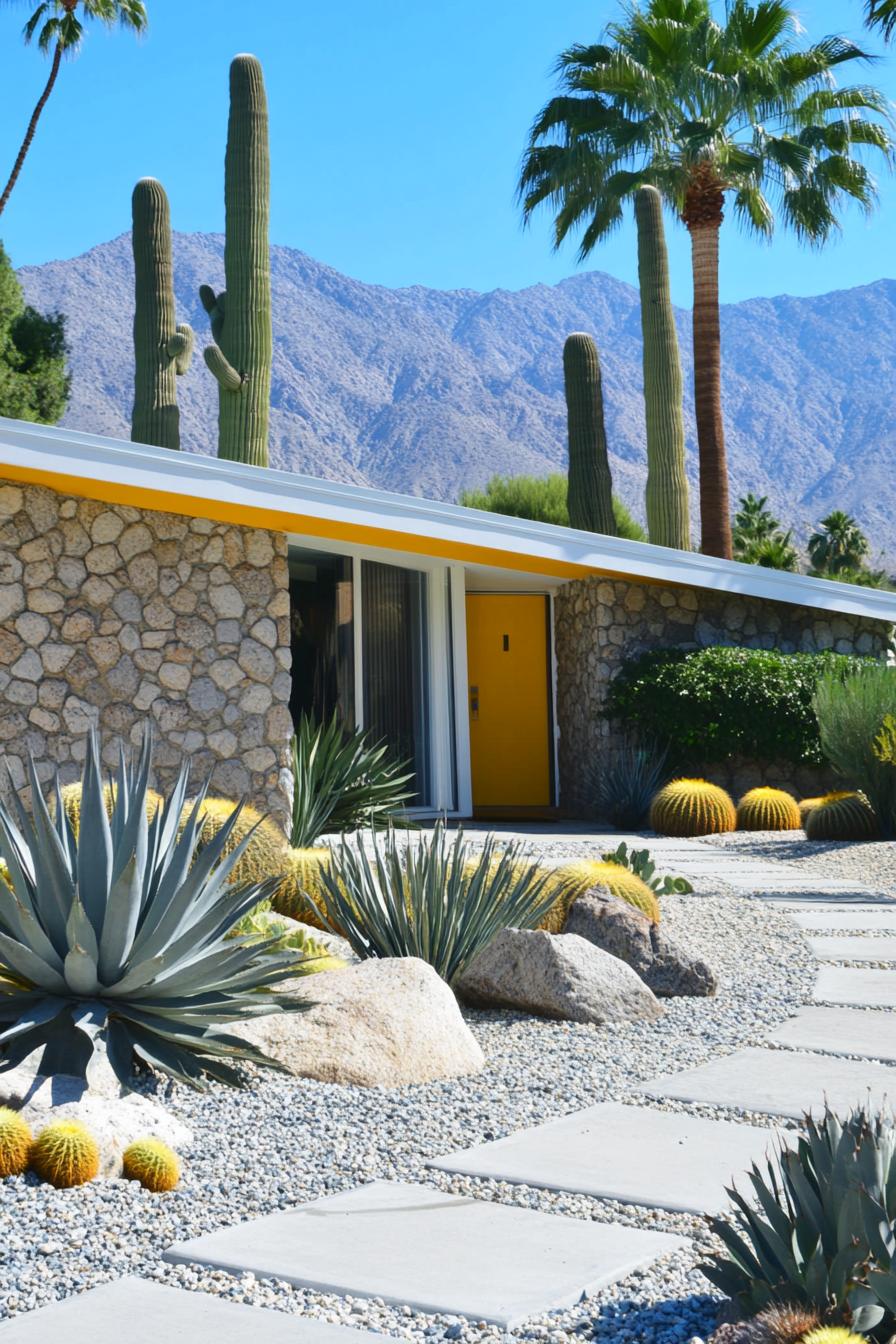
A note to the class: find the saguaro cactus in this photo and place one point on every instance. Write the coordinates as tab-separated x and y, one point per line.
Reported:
590	488
668	523
162	349
240	359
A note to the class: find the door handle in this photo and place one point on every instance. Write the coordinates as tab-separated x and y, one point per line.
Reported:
474	702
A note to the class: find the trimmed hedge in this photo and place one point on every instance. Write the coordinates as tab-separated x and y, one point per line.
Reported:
719	702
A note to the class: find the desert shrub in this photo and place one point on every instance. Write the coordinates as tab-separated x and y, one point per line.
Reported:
714	703
429	899
815	1227
623	787
852	712
342	780
542	499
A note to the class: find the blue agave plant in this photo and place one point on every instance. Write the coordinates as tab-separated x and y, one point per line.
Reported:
115	941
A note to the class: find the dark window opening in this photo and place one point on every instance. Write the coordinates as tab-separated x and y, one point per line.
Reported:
322	637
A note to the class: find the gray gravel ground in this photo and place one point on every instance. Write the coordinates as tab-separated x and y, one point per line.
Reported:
283	1141
871	861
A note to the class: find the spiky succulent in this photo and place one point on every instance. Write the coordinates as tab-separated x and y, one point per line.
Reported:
65	1153
152	1163
15	1143
115	940
817	1227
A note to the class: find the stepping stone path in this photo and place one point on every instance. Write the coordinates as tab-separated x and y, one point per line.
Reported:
154	1312
411	1245
841	1031
629	1153
856	986
857	948
415	1246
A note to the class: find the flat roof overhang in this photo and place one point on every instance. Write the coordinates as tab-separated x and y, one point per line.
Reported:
119	472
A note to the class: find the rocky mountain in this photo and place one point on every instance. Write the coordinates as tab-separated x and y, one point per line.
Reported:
426	391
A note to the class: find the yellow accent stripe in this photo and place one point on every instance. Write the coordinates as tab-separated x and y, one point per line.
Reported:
273	520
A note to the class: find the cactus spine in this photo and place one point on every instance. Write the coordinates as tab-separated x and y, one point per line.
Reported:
668	523
15	1143
162	348
152	1163
768	810
590	488
692	807
65	1154
240	317
841	816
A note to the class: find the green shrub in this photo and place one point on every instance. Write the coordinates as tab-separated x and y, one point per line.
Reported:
714	703
541	499
342	780
430	900
814	1229
852	712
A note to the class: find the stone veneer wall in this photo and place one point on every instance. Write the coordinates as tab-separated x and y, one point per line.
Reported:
115	615
600	623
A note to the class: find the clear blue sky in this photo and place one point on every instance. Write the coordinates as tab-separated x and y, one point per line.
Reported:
396	133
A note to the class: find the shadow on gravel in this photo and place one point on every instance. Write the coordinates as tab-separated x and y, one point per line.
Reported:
673	1321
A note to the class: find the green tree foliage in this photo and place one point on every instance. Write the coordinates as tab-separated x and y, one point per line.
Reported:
852	711
58	27
541	499
706	110
719	702
881	14
838	545
759	539
34	381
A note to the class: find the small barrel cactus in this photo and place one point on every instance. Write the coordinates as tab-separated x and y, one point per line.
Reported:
574	879
71	801
806	805
65	1154
768	810
152	1163
15	1143
841	816
688	807
265	855
833	1334
301	893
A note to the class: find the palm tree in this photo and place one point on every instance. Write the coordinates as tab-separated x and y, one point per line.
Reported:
774	552
754	522
58	26
881	14
705	110
839	545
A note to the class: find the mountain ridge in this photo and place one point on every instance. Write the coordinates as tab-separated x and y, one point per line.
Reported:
427	391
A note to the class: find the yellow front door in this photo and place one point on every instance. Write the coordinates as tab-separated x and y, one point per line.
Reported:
509	699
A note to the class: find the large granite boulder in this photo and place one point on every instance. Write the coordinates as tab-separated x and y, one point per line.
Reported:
618	928
115	1117
378	1023
557	975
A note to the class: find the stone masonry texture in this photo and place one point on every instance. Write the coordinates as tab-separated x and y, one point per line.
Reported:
601	623
115	616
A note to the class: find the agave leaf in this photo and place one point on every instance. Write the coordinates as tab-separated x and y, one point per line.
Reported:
42	1010
95	858
17	914
120	919
883	1284
30	967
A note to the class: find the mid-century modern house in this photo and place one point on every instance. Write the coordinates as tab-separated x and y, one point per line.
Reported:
221	600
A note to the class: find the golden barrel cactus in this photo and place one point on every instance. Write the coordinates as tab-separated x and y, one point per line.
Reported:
265	855
806	805
841	816
71	801
768	810
152	1163
688	807
65	1154
15	1143
576	878
301	893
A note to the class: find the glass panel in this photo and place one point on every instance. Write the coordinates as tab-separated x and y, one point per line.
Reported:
395	656
323	664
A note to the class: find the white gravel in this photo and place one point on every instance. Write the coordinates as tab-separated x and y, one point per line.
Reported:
870	861
285	1141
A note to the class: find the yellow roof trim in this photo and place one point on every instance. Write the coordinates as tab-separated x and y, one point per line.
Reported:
276	520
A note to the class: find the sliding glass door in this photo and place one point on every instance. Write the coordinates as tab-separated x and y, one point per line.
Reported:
395	658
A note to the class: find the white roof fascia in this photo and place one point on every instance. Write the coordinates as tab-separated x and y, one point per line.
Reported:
91	457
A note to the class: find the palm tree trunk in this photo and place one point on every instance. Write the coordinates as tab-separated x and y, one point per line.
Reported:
32	127
715	514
